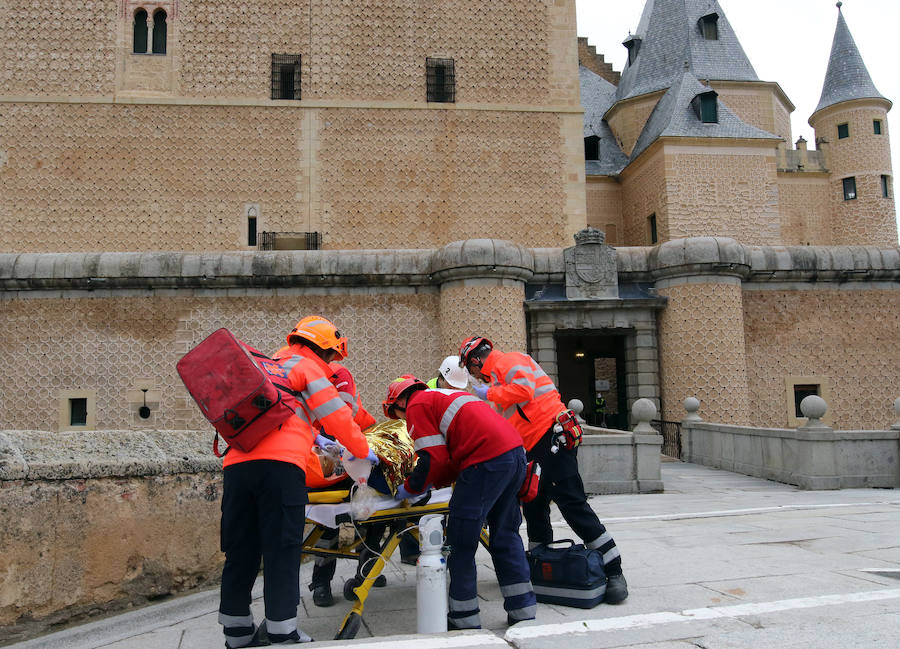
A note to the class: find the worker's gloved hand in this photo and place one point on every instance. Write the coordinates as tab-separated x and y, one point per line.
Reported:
480	390
404	494
324	443
371	457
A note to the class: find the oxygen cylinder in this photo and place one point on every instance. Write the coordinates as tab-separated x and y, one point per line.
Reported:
431	577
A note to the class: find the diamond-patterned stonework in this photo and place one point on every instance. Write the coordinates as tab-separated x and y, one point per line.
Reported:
105	344
701	335
857	349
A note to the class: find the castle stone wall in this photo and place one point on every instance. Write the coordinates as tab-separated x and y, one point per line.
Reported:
859	369
803	201
604	208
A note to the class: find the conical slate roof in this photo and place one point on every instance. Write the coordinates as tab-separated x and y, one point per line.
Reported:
597	95
674	116
847	77
671	39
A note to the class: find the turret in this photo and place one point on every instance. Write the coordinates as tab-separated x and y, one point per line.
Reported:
851	127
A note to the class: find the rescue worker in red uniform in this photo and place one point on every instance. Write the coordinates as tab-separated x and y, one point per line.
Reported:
459	438
527	397
264	494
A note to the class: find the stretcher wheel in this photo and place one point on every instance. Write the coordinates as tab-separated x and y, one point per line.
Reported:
349	585
350	627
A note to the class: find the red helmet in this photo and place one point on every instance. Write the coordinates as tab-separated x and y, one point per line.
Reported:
469	345
405	384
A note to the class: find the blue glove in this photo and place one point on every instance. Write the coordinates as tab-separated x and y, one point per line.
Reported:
371	457
480	390
403	494
324	443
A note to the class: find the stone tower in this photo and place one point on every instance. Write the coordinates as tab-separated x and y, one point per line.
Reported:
851	127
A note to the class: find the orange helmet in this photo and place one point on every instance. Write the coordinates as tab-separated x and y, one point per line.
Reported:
322	333
470	345
405	384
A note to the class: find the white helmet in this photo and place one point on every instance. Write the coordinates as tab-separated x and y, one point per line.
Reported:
453	374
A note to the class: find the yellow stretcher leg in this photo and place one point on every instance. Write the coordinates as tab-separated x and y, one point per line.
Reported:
353	620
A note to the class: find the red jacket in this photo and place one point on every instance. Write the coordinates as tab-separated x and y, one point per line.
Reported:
320	406
526	395
456	430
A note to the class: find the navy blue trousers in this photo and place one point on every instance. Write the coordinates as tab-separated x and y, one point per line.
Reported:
263	512
488	493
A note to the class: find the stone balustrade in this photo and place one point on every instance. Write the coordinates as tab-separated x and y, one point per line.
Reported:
812	456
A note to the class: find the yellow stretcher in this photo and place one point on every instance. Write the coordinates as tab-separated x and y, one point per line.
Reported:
328	508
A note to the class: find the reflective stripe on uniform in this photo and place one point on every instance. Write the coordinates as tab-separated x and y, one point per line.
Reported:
453	408
601	540
463	605
468	622
329	407
350	400
571	593
283	627
514	369
523	380
524	613
235	620
544	389
429	441
611	555
316	386
290	362
511	590
301	413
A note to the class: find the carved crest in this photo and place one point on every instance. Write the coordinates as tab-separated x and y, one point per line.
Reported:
587	263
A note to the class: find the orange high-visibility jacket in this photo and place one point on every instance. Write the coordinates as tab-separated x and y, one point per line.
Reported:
321	406
526	395
343	382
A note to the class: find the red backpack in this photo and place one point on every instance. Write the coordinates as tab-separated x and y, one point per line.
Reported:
242	392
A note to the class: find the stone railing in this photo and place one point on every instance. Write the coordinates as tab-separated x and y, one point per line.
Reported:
812	456
619	462
98	520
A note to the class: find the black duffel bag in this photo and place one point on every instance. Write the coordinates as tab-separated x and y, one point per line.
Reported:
570	575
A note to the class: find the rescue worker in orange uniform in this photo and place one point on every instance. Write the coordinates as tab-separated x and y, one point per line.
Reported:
459	438
264	494
527	397
324	567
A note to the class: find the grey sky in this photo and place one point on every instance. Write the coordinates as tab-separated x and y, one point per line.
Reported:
787	41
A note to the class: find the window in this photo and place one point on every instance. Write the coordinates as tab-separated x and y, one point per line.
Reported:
633	45
801	391
709	26
440	80
159	32
652	223
885	186
706	106
285	76
592	147
251	226
78	412
843	131
140	32
849	188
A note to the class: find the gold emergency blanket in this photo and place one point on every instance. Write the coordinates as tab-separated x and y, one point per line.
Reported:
394	448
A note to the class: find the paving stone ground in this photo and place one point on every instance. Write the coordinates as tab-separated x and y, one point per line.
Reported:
717	561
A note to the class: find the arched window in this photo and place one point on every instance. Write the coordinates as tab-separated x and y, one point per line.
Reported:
159	32
140	32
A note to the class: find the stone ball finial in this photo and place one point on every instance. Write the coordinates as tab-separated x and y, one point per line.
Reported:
692	405
839	4
813	407
576	406
643	411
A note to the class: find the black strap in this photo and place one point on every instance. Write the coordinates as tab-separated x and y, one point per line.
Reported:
522	413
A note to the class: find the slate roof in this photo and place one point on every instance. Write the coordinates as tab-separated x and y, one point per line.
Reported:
671	38
674	116
847	77
597	95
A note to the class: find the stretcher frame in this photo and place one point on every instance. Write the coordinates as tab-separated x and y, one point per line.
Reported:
396	519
